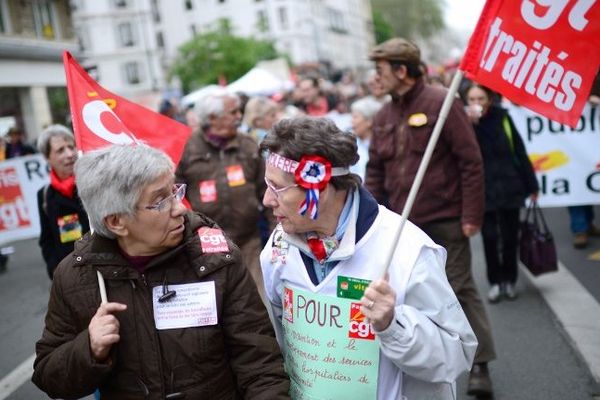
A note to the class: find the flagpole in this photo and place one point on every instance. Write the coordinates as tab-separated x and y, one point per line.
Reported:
437	129
101	284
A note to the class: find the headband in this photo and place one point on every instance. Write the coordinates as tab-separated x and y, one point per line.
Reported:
312	173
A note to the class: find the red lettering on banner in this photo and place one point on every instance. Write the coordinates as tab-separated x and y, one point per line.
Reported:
13	209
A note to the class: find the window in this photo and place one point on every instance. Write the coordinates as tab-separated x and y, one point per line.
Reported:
2	24
76	5
189	4
120	3
160	40
336	21
83	39
132	72
43	19
193	30
262	21
283	18
126	34
155	12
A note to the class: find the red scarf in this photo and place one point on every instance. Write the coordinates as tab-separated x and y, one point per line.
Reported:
321	248
65	187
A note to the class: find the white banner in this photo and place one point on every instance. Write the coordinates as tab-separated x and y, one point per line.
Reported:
20	179
566	160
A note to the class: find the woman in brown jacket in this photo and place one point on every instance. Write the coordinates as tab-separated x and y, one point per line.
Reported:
184	319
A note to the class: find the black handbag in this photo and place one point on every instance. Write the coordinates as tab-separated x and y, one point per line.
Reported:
537	250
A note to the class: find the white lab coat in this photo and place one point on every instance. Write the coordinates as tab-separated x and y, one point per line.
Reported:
430	342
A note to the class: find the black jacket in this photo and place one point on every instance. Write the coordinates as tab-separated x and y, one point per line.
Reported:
509	175
51	211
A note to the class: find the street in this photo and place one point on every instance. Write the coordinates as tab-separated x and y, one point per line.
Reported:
535	357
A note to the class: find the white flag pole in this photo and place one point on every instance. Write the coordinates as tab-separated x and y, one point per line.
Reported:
102	287
101	284
437	129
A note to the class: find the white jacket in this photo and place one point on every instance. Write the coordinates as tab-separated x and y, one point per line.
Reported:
430	343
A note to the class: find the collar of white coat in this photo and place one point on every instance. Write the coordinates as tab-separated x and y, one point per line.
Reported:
348	243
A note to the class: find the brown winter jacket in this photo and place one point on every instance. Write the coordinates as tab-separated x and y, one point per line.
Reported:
236	359
453	185
237	206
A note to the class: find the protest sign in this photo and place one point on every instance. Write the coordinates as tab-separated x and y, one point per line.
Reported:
329	347
566	160
540	54
20	179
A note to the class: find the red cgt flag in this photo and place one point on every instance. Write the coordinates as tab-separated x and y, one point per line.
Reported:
541	54
101	118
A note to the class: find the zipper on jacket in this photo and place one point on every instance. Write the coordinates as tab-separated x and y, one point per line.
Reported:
147	293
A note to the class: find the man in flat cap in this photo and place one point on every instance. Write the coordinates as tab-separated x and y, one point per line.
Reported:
450	204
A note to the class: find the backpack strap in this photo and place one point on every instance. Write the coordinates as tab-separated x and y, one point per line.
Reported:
508	132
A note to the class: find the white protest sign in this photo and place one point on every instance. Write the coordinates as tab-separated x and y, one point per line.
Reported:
20	179
566	160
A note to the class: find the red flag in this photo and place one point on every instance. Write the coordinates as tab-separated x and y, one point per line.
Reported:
101	118
544	57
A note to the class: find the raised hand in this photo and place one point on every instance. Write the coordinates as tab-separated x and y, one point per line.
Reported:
104	330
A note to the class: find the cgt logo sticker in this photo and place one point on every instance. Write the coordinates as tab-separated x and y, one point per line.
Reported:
212	240
358	327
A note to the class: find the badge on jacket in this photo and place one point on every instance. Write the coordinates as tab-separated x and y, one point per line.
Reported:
418	119
69	228
280	247
208	191
212	240
235	175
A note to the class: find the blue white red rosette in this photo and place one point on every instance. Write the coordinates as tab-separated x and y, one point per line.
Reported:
313	173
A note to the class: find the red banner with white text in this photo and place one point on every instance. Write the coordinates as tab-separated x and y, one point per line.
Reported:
101	118
542	54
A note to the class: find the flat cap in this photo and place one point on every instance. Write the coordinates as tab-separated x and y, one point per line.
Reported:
396	49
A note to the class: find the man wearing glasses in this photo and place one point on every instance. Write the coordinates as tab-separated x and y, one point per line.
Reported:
224	173
182	317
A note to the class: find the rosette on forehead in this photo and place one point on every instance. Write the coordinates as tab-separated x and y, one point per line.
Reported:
311	173
317	153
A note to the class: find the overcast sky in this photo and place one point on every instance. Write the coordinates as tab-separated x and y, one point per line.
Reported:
462	15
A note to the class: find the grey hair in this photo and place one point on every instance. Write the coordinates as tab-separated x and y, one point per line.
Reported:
111	180
212	105
57	130
257	107
293	138
367	107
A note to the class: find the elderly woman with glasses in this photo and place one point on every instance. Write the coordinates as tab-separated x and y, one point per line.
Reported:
345	331
183	317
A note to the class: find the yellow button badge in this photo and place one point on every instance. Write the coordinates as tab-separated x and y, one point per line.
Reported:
418	119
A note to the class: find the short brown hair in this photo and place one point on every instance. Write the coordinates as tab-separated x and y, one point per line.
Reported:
295	137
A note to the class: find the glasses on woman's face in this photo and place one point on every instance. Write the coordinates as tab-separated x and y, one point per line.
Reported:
275	190
167	202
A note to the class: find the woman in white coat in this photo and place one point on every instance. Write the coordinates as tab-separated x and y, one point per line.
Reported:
345	332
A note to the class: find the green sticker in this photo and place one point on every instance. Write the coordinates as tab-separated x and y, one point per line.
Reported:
351	288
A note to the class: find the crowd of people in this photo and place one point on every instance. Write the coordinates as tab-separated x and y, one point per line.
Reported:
197	279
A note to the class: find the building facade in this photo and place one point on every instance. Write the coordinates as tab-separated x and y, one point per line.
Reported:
33	35
132	43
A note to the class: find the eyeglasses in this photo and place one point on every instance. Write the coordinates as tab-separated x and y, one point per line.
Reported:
280	190
178	194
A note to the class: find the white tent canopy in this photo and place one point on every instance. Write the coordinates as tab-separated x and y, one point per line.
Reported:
258	82
193	97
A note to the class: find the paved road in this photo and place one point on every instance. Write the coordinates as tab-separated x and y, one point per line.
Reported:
535	359
585	270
